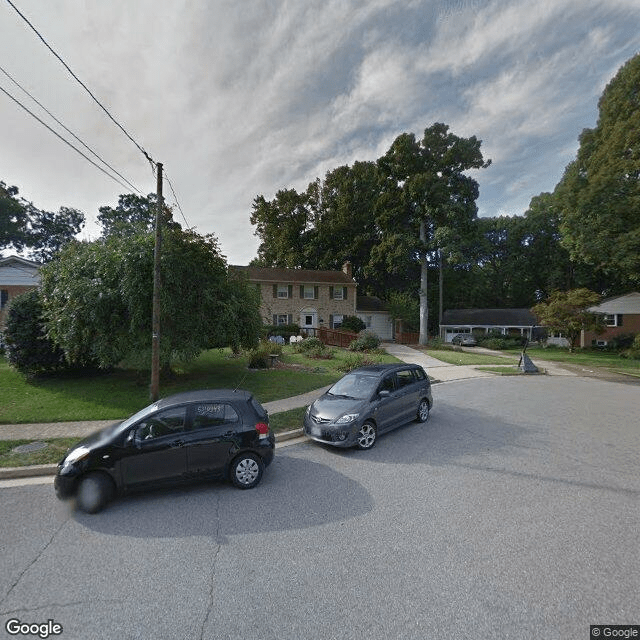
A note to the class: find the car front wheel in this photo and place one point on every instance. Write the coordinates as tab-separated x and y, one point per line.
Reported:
246	471
366	436
423	411
94	492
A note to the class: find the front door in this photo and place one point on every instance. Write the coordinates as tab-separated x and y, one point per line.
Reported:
309	320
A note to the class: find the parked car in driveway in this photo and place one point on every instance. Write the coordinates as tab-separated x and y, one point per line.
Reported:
464	340
194	435
368	401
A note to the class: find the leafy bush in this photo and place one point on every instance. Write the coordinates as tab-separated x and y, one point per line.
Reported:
356	360
259	358
633	353
28	348
313	348
499	341
352	323
622	342
366	341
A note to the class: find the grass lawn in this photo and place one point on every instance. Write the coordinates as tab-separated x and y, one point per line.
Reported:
118	394
587	358
468	358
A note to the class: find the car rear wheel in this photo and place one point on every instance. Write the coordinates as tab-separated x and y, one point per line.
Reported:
94	492
366	436
423	411
246	471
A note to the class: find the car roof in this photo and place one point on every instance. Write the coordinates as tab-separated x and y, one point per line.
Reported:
381	369
205	395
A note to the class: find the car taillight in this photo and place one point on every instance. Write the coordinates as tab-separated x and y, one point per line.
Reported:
263	429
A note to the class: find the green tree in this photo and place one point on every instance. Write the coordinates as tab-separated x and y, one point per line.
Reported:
439	199
567	312
599	194
41	233
28	348
133	215
97	298
282	225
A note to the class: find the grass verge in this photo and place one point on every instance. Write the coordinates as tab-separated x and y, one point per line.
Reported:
52	454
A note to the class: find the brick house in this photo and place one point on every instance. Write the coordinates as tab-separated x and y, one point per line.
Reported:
17	275
308	298
622	315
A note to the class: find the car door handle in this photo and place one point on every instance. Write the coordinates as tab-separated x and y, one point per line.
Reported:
226	435
177	443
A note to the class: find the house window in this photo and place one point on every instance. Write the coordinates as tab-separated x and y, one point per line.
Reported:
281	319
338	293
4	297
337	321
613	320
283	291
309	292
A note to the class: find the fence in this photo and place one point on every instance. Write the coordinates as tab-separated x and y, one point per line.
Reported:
336	338
407	338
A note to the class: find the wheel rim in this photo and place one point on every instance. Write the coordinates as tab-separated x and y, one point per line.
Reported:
423	411
366	436
247	470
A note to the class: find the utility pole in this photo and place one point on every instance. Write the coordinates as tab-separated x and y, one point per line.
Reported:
155	317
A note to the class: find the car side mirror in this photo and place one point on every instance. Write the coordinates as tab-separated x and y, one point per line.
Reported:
384	393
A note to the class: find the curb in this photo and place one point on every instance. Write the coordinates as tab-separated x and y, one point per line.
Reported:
9	473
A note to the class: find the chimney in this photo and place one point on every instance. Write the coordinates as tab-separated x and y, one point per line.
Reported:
346	268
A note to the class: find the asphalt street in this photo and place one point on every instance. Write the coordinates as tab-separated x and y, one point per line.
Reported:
513	513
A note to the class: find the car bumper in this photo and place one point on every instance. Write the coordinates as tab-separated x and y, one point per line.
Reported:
65	484
336	436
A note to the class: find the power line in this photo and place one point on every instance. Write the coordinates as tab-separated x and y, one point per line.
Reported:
175	197
84	86
69	130
97	166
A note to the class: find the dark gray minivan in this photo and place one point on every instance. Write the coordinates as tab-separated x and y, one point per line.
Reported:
367	402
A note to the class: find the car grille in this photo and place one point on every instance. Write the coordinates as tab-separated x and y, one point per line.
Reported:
319	420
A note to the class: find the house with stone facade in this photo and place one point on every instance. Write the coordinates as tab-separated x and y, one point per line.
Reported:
308	298
17	275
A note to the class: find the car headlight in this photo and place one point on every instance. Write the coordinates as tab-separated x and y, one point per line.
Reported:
76	455
347	418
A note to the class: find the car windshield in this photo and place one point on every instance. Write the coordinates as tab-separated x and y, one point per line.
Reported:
355	385
138	416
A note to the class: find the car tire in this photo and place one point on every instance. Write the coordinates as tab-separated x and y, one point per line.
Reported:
94	491
367	435
246	471
423	410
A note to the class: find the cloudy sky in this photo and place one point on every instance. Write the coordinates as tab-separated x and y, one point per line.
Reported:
244	98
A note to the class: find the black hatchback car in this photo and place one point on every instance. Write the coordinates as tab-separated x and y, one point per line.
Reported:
367	402
198	434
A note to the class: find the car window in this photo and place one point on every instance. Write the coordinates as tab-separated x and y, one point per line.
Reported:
405	377
213	414
167	422
419	374
387	384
